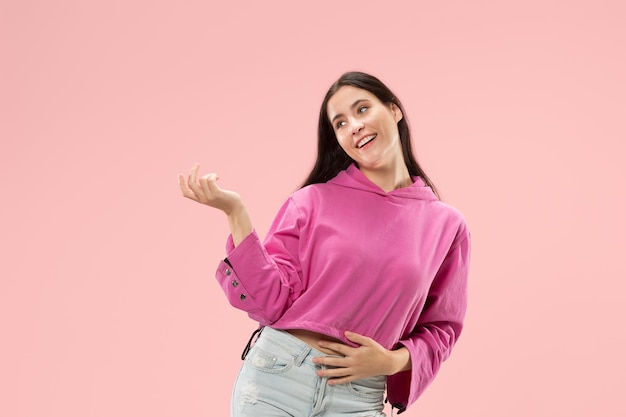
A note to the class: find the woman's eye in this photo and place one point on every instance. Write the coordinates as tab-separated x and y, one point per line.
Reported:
340	124
362	109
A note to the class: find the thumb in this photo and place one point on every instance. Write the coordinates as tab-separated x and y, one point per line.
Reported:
211	182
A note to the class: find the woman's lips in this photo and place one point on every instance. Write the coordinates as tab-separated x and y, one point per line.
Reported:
365	140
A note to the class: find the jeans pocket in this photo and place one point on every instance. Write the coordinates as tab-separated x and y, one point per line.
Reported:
372	388
270	362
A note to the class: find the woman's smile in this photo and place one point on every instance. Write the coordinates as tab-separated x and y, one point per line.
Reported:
365	140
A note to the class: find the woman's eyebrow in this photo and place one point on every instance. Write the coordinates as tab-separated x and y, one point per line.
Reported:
356	103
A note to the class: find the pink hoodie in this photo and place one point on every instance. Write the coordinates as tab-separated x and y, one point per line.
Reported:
345	255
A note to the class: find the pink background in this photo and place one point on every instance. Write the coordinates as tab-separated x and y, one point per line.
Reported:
108	303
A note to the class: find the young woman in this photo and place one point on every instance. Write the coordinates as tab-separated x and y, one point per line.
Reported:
361	282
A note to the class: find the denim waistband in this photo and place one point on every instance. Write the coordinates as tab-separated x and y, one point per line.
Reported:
302	351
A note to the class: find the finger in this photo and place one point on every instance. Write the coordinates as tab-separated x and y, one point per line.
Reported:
197	191
358	338
182	183
187	192
334	372
209	184
337	375
340	362
193	173
194	185
339	348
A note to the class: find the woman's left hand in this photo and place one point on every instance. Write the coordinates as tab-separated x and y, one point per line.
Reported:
366	360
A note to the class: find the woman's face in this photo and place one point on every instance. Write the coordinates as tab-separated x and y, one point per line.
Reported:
366	128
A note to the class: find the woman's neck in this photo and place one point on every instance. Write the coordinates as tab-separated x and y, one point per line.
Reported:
389	179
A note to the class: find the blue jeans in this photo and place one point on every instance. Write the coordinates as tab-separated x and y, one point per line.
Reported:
278	379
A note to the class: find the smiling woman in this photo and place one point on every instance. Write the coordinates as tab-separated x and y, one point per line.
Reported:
361	282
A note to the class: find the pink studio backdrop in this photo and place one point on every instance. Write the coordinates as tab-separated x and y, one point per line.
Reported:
108	303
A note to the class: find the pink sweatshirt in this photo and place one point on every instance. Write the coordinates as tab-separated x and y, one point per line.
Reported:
345	255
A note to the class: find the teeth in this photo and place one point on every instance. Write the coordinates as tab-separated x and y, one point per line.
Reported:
365	141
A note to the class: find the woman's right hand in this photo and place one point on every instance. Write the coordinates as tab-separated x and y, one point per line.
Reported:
206	191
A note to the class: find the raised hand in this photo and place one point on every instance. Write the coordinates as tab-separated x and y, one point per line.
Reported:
206	191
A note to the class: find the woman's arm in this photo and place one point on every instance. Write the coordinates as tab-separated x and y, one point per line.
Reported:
263	281
438	328
206	191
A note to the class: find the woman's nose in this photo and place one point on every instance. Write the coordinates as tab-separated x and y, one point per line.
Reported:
356	126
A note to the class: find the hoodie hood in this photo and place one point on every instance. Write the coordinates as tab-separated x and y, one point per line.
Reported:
352	177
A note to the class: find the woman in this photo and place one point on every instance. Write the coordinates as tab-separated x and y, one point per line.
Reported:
361	281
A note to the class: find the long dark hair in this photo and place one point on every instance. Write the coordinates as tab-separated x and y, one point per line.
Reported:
331	158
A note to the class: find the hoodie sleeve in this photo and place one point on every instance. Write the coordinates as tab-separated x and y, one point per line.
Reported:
438	327
263	279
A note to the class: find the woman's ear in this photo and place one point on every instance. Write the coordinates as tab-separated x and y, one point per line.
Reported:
397	113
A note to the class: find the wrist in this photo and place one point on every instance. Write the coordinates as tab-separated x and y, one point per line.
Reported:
400	360
239	223
235	210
